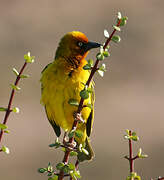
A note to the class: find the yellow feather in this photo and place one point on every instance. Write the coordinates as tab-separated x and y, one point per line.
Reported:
63	80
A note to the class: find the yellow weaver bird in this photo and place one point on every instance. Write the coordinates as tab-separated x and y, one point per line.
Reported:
62	80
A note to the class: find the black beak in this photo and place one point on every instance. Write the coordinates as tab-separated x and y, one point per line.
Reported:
91	45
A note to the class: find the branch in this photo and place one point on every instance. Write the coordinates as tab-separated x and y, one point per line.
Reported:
80	107
28	59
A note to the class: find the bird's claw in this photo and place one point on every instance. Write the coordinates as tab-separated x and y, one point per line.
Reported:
67	144
70	146
78	117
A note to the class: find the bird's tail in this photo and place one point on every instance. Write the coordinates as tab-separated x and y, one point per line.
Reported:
84	156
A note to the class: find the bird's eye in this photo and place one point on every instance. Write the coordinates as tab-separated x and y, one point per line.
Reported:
80	44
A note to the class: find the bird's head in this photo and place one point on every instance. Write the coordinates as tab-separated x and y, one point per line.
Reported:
74	44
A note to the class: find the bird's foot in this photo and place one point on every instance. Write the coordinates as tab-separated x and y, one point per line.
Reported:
70	146
78	117
65	139
67	144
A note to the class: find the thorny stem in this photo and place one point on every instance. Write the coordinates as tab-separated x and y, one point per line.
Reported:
80	107
8	111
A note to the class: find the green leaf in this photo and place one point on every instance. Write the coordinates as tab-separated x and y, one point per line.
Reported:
71	166
15	109
28	58
101	49
143	156
49	174
55	177
52	145
73	175
71	134
133	174
77	174
5	149
140	155
73	102
80	147
3	109
3	126
102	67
116	39
128	178
127	131
119	16
90	90
42	170
63	149
66	169
73	153
101	73
117	28
135	138
60	166
106	54
90	61
84	94
134	134
106	34
139	152
101	70
137	178
100	56
127	137
78	133
124	21
15	87
6	131
87	67
85	151
50	168
15	72
56	145
24	76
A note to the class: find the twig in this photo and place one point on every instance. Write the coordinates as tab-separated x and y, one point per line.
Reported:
8	111
131	160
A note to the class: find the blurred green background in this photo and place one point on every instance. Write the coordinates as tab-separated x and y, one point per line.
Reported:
130	96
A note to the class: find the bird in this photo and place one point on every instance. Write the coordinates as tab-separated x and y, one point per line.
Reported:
64	79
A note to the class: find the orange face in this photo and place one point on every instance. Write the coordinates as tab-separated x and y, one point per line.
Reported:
74	44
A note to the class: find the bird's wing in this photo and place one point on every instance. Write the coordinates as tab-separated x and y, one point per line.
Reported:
46	67
91	115
55	127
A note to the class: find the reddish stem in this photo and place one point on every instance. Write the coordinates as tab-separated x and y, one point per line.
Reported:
8	111
80	107
131	160
161	178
